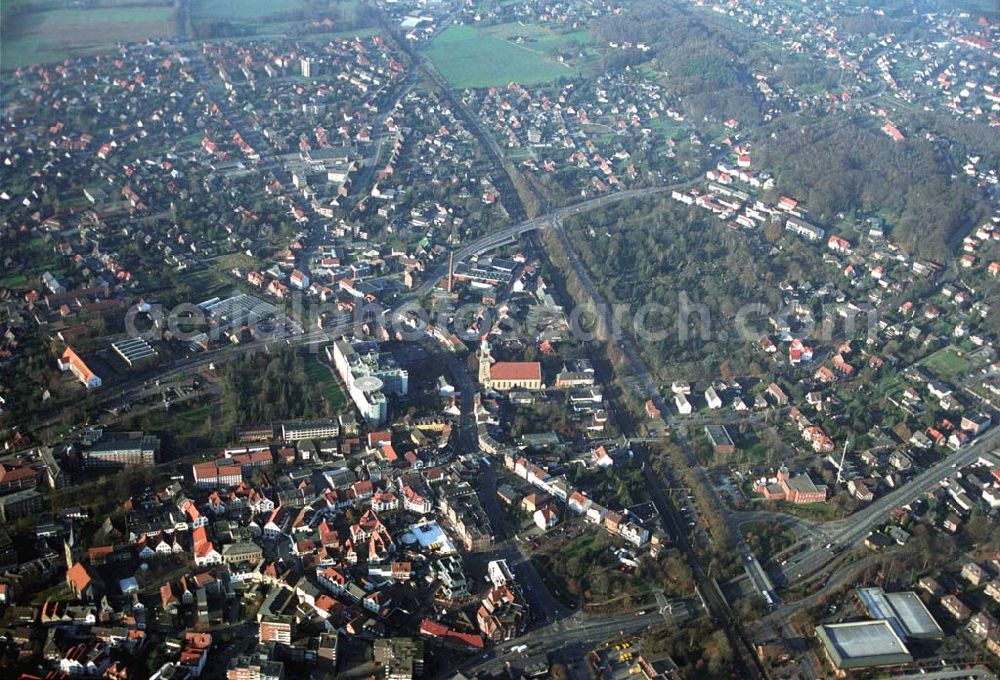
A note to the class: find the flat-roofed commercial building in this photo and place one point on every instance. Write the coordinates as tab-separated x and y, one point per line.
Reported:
255	667
904	611
863	644
400	658
310	429
135	352
369	375
20	504
128	448
720	439
238	310
279	629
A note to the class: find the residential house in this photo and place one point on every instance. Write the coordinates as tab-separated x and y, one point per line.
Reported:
954	606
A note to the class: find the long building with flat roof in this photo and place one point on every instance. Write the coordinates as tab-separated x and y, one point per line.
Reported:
863	644
120	449
134	351
240	309
20	504
904	611
295	430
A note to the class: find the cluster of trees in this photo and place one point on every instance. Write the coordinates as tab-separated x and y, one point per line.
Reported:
843	165
268	386
700	647
616	487
589	571
767	539
965	137
344	15
547	416
671	572
664	253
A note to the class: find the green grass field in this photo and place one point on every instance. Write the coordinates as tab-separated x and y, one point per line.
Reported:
17	280
236	10
356	33
55	34
38	257
322	377
208	283
947	363
183	420
469	56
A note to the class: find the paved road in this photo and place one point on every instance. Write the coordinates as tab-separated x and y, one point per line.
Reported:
853	530
507	234
576	631
803	528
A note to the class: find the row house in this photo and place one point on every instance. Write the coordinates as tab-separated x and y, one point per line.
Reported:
277	523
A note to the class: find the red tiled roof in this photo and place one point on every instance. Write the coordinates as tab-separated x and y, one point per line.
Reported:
79	576
12	473
71	357
101	550
435	629
516	370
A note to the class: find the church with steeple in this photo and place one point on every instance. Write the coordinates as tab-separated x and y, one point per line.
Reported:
507	375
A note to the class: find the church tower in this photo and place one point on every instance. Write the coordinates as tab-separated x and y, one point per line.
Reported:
485	360
69	548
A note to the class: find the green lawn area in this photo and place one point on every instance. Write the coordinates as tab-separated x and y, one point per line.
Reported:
52	35
191	140
520	154
356	33
183	419
236	10
226	262
15	280
948	363
666	126
469	56
818	512
38	257
322	377
208	283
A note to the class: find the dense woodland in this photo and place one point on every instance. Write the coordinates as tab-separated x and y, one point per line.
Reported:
839	165
268	386
663	252
835	164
